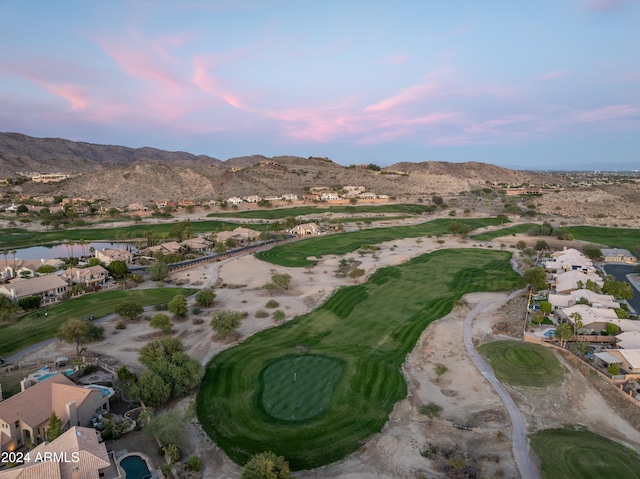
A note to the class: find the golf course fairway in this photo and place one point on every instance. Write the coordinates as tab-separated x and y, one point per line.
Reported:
315	388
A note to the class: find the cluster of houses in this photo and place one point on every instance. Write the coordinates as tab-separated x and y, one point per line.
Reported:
315	194
571	272
78	452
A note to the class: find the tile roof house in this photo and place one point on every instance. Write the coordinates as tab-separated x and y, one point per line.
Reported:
107	255
570	299
196	244
628	340
26	267
597	318
83	457
565	282
91	276
618	255
569	259
25	416
170	247
50	288
305	229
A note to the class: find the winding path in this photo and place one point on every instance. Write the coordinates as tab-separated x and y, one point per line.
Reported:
520	445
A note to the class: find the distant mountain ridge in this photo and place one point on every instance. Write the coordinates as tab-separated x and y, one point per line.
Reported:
130	175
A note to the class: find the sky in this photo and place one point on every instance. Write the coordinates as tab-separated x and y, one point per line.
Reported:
544	84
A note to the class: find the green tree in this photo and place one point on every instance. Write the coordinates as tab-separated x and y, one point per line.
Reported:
535	277
225	323
220	248
126	376
54	427
181	231
613	369
619	289
580	348
440	370
356	274
545	307
270	286
431	410
578	324
118	269
158	271
282	280
157	349
129	309
7	308
437	200
30	302
541	245
94	262
266	465
178	305
592	252
151	389
564	332
230	243
46	269
205	297
162	322
74	331
612	329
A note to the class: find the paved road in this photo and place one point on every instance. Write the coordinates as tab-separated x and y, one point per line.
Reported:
520	445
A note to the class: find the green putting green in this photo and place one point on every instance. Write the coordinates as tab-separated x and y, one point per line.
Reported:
571	453
314	388
296	388
523	364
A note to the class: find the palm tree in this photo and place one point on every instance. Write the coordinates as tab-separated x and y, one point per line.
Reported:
13	252
82	244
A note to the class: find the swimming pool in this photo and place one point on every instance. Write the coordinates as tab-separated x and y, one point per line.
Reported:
550	333
135	467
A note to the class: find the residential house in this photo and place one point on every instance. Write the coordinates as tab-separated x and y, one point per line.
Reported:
628	340
596	319
186	203
329	196
567	281
83	457
311	197
26	268
272	198
567	260
235	201
49	177
570	299
252	199
240	235
305	229
24	417
367	196
196	244
628	359
50	288
134	207
171	247
108	255
618	255
92	276
290	197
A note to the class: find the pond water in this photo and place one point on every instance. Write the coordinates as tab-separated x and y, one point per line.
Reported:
59	251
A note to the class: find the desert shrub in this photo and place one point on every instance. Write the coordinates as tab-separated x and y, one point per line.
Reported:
194	464
278	316
272	304
121	325
197	320
261	313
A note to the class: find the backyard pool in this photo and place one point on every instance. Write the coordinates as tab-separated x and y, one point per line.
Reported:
135	467
550	333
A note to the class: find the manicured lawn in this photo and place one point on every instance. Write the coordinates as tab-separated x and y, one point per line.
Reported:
280	213
19	238
627	238
569	453
523	364
295	254
346	357
29	329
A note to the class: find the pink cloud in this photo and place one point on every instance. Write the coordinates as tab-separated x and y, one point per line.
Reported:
396	59
408	95
603	5
609	112
72	93
552	75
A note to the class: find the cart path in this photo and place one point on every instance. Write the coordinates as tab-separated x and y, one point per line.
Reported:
520	444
